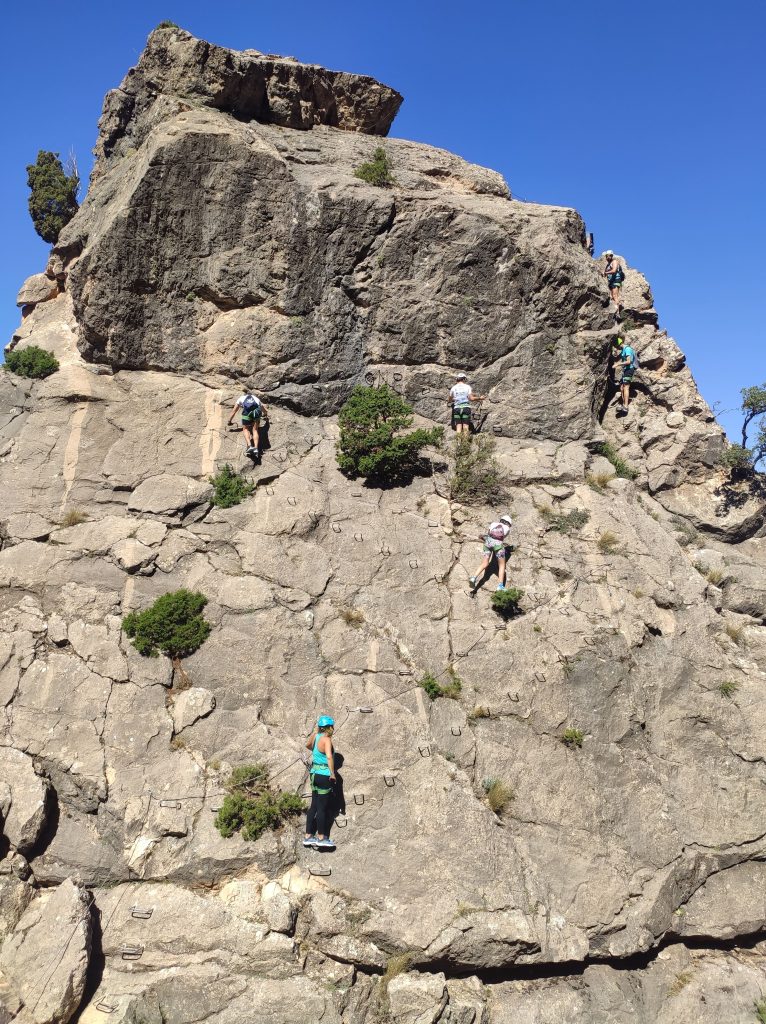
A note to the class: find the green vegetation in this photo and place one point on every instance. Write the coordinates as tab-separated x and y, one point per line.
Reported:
621	467
476	475
376	171
251	806
560	522
735	457
173	625
370	443
728	688
168	24
450	689
230	487
73	517
33	362
754	411
607	542
499	794
53	195
506	602
572	737
760	1010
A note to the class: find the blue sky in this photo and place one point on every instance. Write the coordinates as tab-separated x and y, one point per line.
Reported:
646	117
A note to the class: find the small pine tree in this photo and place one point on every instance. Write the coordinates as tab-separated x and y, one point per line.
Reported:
173	625
371	444
53	195
230	487
32	361
251	806
376	171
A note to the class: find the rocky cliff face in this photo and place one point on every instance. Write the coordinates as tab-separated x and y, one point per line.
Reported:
225	236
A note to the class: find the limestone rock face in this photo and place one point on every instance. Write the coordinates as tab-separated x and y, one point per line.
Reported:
219	241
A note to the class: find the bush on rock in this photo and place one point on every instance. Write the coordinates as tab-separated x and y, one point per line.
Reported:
371	444
173	625
230	487
376	171
476	476
53	195
33	362
506	602
251	806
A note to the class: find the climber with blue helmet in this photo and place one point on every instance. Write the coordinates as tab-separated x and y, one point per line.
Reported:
322	778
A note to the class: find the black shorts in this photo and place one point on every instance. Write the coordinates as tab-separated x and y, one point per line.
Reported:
462	414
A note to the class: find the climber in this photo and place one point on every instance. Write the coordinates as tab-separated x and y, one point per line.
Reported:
625	363
494	547
322	777
253	410
460	397
614	275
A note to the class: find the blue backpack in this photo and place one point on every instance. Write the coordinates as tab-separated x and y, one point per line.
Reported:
250	405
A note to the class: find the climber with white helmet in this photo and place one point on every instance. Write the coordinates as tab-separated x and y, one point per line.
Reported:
253	411
322	778
460	397
494	547
615	275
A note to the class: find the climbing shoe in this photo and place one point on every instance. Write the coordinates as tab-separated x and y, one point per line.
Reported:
310	841
323	844
501	586
472	580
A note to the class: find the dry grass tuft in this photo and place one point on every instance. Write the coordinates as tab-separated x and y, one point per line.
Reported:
73	517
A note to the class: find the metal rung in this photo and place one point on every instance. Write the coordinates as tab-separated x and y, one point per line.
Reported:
131	952
514	698
175	804
335	528
215	808
279	456
356	494
405	672
434	525
398	376
439	579
359	799
413	563
497	430
320	872
500	625
590	641
292	501
142	913
540	676
306	796
365	710
424	751
389	781
358	536
269	490
341	822
454	733
105	1007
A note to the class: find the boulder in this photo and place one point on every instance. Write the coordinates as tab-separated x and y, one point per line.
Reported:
46	957
25	806
37	288
169	496
191	705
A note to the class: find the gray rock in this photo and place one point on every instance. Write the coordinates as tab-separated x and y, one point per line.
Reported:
133	556
169	496
191	705
37	288
46	956
25	808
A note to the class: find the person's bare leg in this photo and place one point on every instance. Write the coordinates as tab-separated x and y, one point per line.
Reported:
482	568
257	437
501	570
626	395
247	430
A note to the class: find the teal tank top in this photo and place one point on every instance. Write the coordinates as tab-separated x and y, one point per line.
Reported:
319	762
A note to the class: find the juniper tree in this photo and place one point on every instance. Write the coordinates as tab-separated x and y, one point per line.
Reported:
53	195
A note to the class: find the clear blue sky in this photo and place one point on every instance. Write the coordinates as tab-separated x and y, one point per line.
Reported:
648	117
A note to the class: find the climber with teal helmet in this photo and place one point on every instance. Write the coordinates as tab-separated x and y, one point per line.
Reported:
615	275
322	778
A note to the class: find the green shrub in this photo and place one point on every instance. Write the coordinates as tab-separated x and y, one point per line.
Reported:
728	688
173	625
167	24
736	457
760	1010
451	689
230	487
572	737
32	361
621	467
370	443
476	475
376	171
564	522
251	807
53	195
506	602
499	794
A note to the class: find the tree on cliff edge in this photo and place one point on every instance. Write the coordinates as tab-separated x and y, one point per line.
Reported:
53	195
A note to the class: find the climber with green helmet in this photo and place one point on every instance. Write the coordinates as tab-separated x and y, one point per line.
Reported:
322	778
